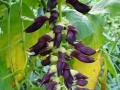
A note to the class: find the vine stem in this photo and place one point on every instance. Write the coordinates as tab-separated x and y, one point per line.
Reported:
23	36
60	10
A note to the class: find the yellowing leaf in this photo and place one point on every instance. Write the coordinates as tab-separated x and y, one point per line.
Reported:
91	70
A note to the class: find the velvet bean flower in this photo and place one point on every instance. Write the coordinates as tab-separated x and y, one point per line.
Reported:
58	35
51	4
36	24
53	17
82	57
84	49
71	34
80	7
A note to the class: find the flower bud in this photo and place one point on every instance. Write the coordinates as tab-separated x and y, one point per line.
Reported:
51	85
51	4
47	61
58	35
81	82
57	39
61	64
45	38
36	24
46	78
58	29
82	57
34	50
83	49
71	34
80	76
45	51
40	46
80	7
53	17
68	79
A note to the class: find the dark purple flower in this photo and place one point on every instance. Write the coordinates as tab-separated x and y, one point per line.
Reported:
82	82
36	24
80	76
51	85
53	17
71	34
45	51
84	49
82	57
47	61
46	78
34	50
51	4
57	39
61	64
40	45
45	38
80	7
58	35
58	29
81	89
68	79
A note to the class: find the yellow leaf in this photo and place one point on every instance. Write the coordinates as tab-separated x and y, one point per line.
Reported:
91	70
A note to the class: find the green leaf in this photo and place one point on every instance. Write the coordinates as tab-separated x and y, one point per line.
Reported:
15	23
7	83
103	6
110	64
31	3
80	21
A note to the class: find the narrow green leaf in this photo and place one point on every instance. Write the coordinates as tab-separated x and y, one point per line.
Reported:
110	64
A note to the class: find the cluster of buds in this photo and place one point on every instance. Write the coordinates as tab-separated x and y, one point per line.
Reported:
60	67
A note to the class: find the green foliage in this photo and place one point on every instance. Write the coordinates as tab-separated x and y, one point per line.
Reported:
81	22
5	84
96	29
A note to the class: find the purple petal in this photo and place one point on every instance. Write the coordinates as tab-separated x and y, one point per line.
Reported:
68	79
82	57
38	47
57	39
58	29
45	52
47	61
36	24
84	49
81	89
51	4
71	34
53	17
80	76
41	47
51	85
46	78
82	82
61	64
45	38
80	7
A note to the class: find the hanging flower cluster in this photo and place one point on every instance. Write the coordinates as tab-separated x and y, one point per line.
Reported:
56	56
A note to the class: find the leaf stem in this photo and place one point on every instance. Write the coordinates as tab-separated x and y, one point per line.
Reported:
60	10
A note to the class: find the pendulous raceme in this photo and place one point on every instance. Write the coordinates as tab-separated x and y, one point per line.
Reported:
59	68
